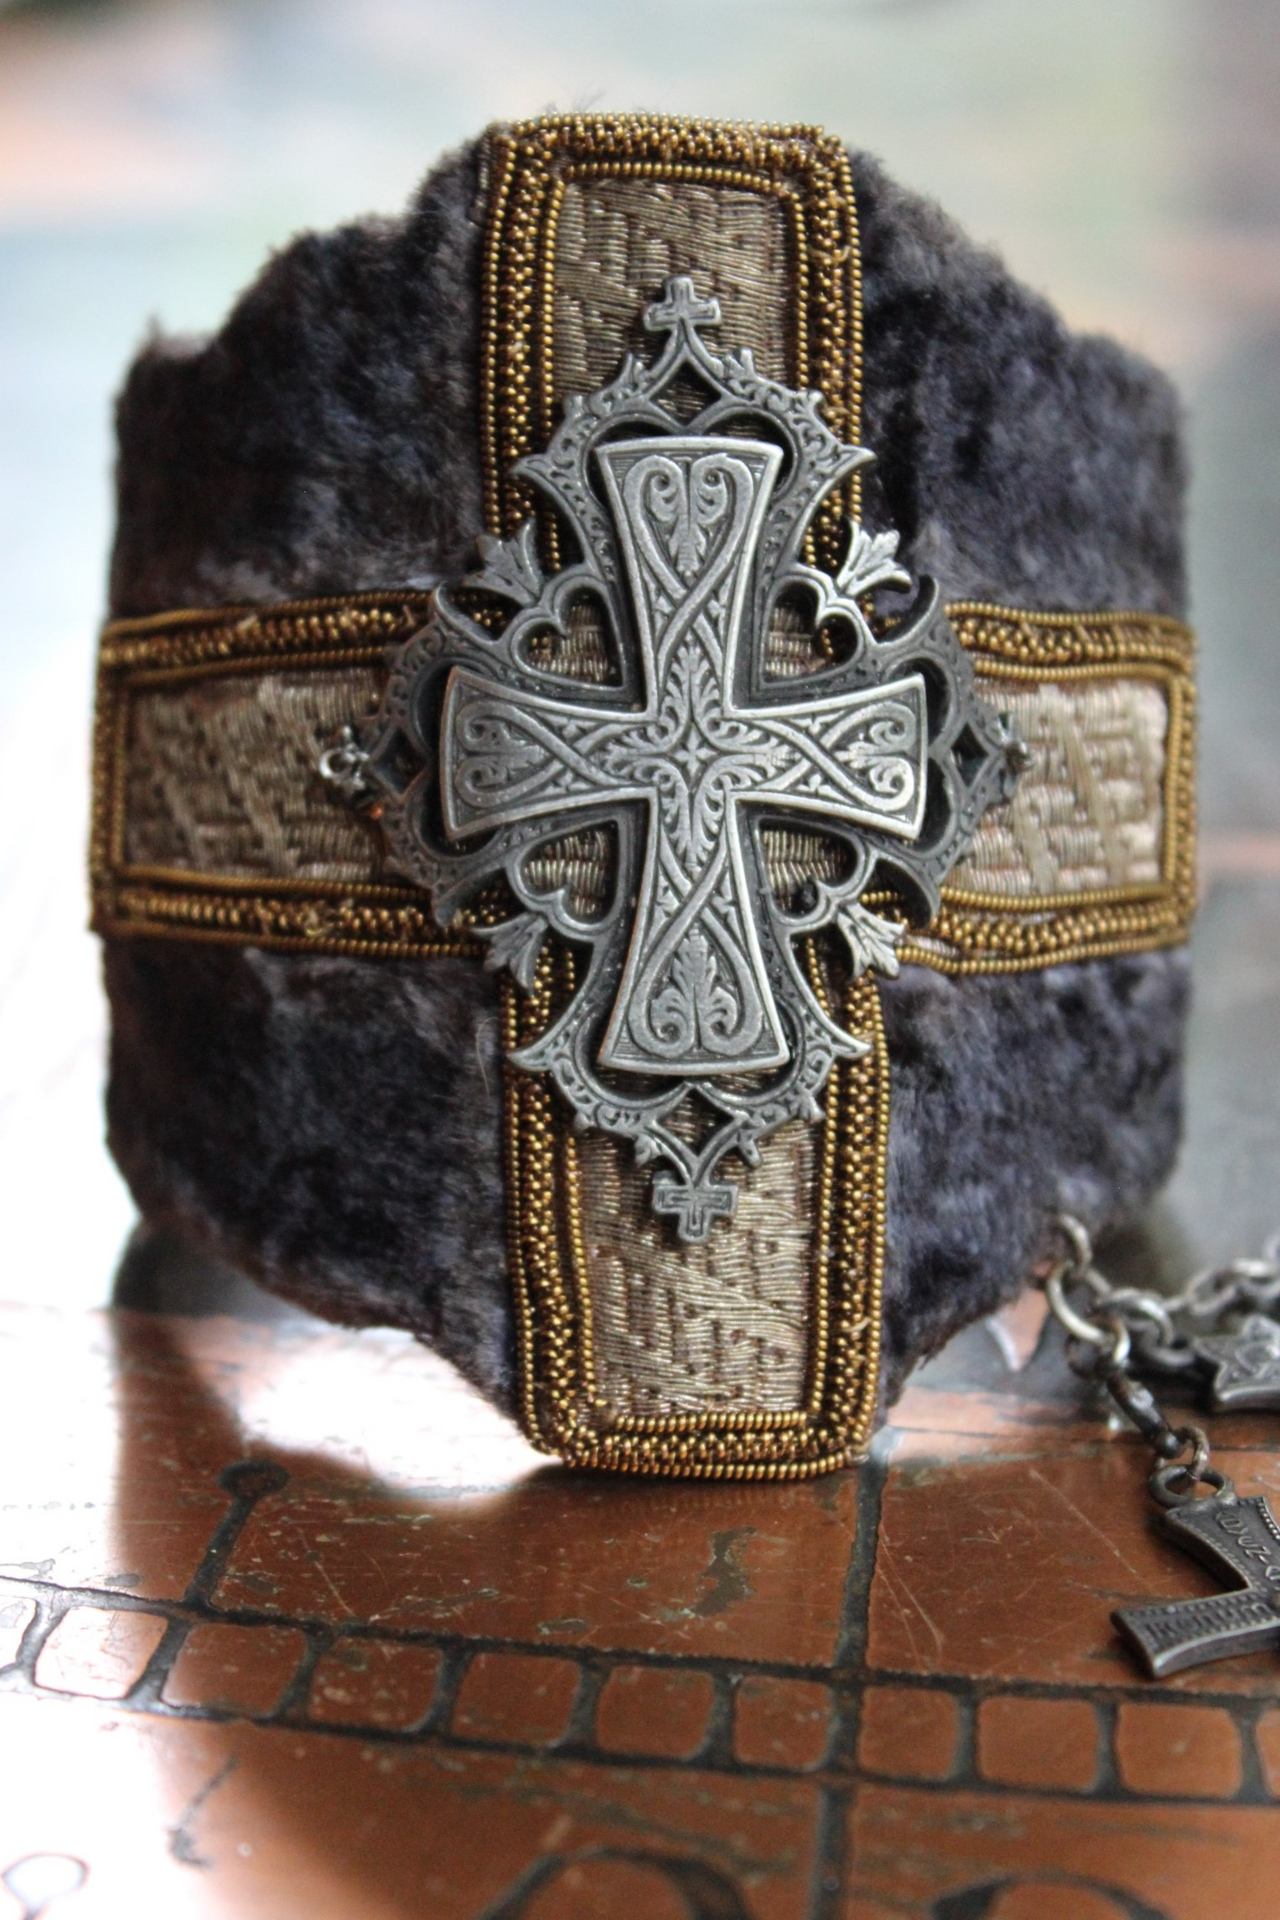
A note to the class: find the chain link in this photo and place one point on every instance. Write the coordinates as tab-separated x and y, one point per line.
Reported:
1207	1300
1112	1326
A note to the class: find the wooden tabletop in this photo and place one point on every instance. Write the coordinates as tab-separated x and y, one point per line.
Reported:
299	1628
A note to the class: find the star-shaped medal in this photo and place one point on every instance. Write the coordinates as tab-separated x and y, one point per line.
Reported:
1246	1364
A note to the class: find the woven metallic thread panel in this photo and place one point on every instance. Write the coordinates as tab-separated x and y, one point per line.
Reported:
221	778
620	240
1089	810
724	1322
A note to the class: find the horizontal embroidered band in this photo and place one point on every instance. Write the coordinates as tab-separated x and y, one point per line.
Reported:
212	820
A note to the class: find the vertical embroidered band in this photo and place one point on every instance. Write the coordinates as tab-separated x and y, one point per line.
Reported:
752	1352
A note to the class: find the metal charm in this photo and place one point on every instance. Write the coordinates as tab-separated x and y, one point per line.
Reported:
1246	1364
686	538
1239	1541
1118	1327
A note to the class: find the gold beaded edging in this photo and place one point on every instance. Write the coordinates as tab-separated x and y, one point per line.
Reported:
530	166
390	919
560	1411
973	932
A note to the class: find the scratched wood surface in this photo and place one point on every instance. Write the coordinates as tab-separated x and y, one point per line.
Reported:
293	1626
296	1627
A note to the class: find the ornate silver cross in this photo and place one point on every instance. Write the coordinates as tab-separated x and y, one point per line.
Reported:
676	742
694	997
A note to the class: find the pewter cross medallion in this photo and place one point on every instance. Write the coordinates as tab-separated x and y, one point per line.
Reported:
693	1031
695	997
1239	1541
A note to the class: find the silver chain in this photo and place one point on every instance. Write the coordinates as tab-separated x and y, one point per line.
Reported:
1111	1328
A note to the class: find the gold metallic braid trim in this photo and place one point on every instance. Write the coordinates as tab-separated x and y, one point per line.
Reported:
530	167
975	931
391	920
560	1410
363	622
1022	637
366	921
979	932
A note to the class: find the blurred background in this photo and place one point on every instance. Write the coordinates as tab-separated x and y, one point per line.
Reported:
1123	155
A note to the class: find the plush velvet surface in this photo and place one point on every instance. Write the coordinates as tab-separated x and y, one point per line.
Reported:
332	1124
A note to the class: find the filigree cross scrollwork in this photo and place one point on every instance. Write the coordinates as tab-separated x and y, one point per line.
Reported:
681	750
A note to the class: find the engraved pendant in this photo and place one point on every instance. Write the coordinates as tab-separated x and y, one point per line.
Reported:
677	748
1239	1540
1245	1365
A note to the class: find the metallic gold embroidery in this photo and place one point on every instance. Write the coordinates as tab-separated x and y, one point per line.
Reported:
221	777
534	165
618	240
586	215
980	929
311	876
678	1327
571	226
562	1406
148	877
1086	812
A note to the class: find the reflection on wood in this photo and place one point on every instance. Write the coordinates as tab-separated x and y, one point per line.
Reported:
258	1665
